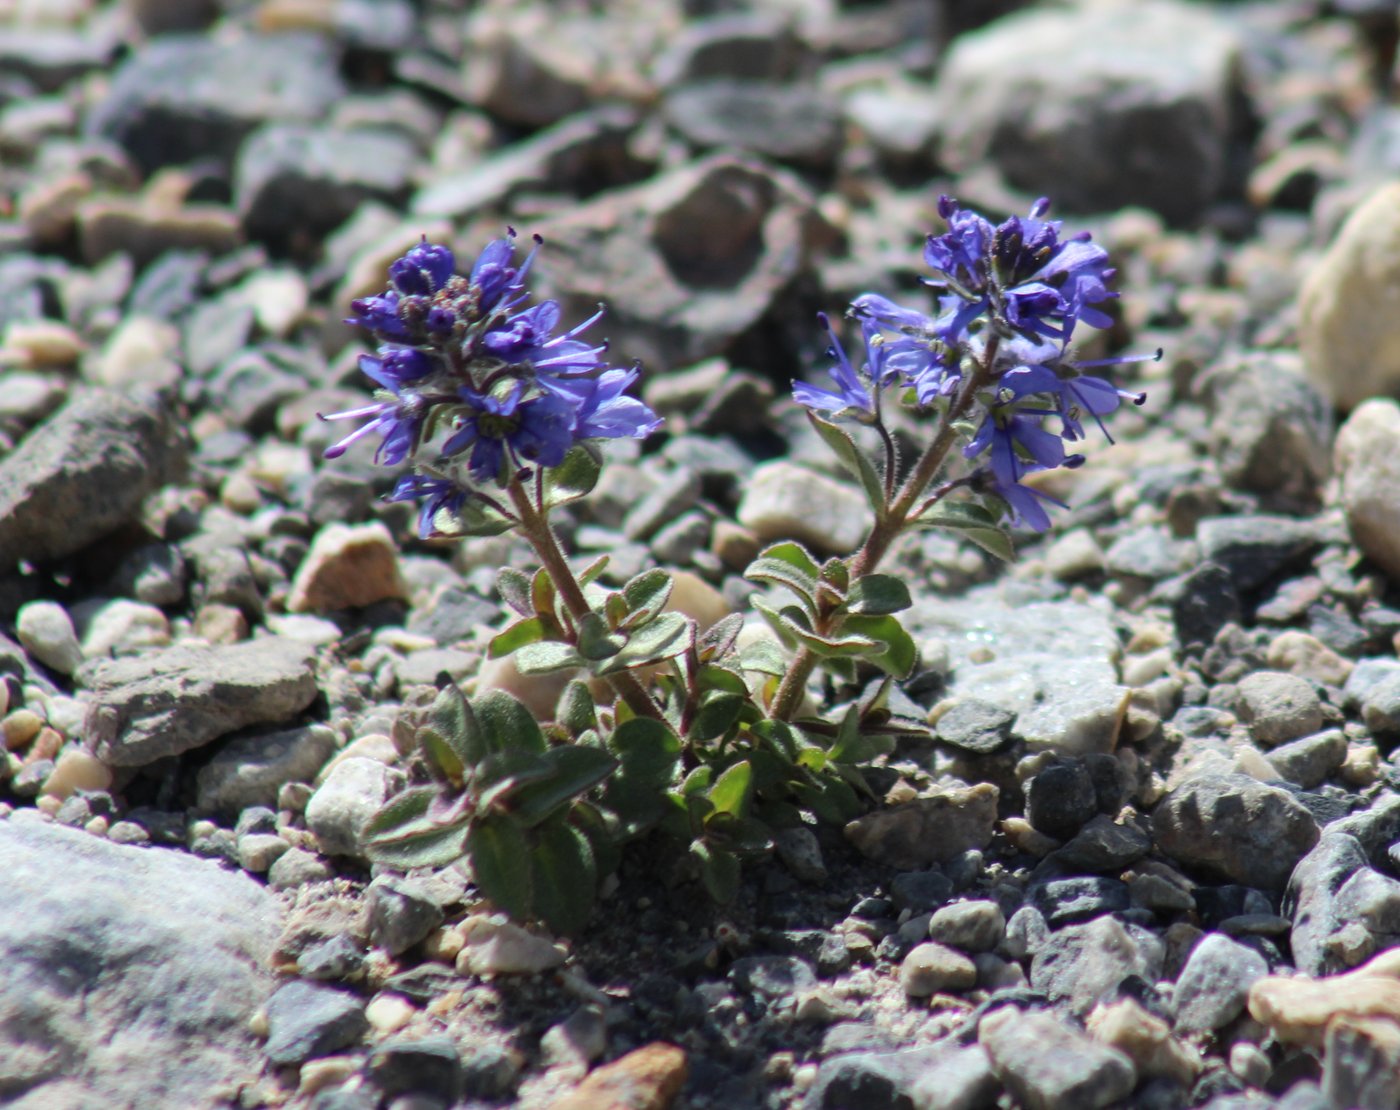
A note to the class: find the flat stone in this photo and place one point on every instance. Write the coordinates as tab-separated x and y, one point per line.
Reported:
1083	964
307	1019
1311	761
926	831
783	500
193	942
162	703
249	770
84	472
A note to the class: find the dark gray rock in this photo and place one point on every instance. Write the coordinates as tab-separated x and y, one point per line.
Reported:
170	701
976	726
1213	986
1049	1065
131	974
306	1020
1078	899
84	472
1312	760
1256	548
222	572
1098	107
1083	964
678	493
1104	845
454	614
249	770
427	1066
294	180
1061	798
52	56
401	913
943	1075
1361	1063
920	891
336	958
181	98
757	45
1236	826
795	124
1205	602
1372	899
1311	900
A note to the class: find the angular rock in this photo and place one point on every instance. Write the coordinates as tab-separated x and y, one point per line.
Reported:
1084	964
932	968
1048	1065
1311	761
307	1019
192	943
649	1077
166	702
944	1075
84	472
1098	107
918	834
250	769
1257	547
783	500
1213	987
1237	826
348	567
181	98
1279	707
795	124
342	806
1298	1010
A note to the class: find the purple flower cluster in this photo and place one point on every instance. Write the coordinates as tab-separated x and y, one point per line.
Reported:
1008	300
465	354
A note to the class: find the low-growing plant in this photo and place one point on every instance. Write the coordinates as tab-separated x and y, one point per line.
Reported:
667	727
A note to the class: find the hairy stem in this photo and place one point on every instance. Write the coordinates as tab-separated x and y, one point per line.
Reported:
887	527
535	528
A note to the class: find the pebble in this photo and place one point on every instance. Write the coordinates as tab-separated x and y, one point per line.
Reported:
425	1066
1299	1010
1311	761
1082	964
1214	984
1350	352
1362	1062
306	1020
1245	830
402	912
20	728
1279	707
1048	1066
918	834
120	627
783	500
76	769
388	1013
975	926
257	852
494	946
932	968
46	631
343	804
1370	475
297	867
1145	1039
647	1078
801	854
348	567
1306	656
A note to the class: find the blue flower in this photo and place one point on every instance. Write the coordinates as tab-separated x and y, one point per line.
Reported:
399	421
423	271
497	286
434	494
395	367
500	428
604	412
853	397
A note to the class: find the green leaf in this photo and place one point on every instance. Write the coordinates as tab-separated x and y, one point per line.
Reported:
572	770
716	716
576	711
595	641
719	871
542	593
507	724
402	836
648	751
857	464
853	746
442	756
836	574
764	657
451	720
647	595
666	636
614	610
698	781
794	555
744	836
717	641
900	652
780	573
514	587
565	876
473	518
733	789
592	570
573	478
877	595
499	853
831	647
516	636
971	520
545	657
711	676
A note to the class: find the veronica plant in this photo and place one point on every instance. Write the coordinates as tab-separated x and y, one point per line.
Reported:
499	412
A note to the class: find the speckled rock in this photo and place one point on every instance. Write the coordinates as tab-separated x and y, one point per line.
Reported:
348	567
1048	1065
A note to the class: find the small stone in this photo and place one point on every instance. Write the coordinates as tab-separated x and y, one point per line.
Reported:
342	806
1248	831
1299	1010
918	834
401	913
250	769
1308	657
120	627
20	728
1061	798
348	567
1145	1039
1082	964
257	852
648	1078
142	351
494	946
801	854
1214	985
1349	349
1279	707
46	631
1311	761
976	726
1075	555
1047	1065
388	1012
220	624
297	867
306	1020
1361	1062
1370	473
976	926
425	1066
41	344
785	501
76	769
933	968
577	1041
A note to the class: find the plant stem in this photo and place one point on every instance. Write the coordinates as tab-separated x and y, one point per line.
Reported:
535	528
887	528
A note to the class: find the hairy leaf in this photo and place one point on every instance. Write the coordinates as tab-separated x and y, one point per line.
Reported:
972	521
648	751
514	587
776	571
450	719
877	595
545	657
733	789
765	657
595	641
516	636
572	770
473	518
564	876
507	724
719	871
717	641
499	853
716	715
668	635
576	710
900	652
857	464
646	595
573	478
